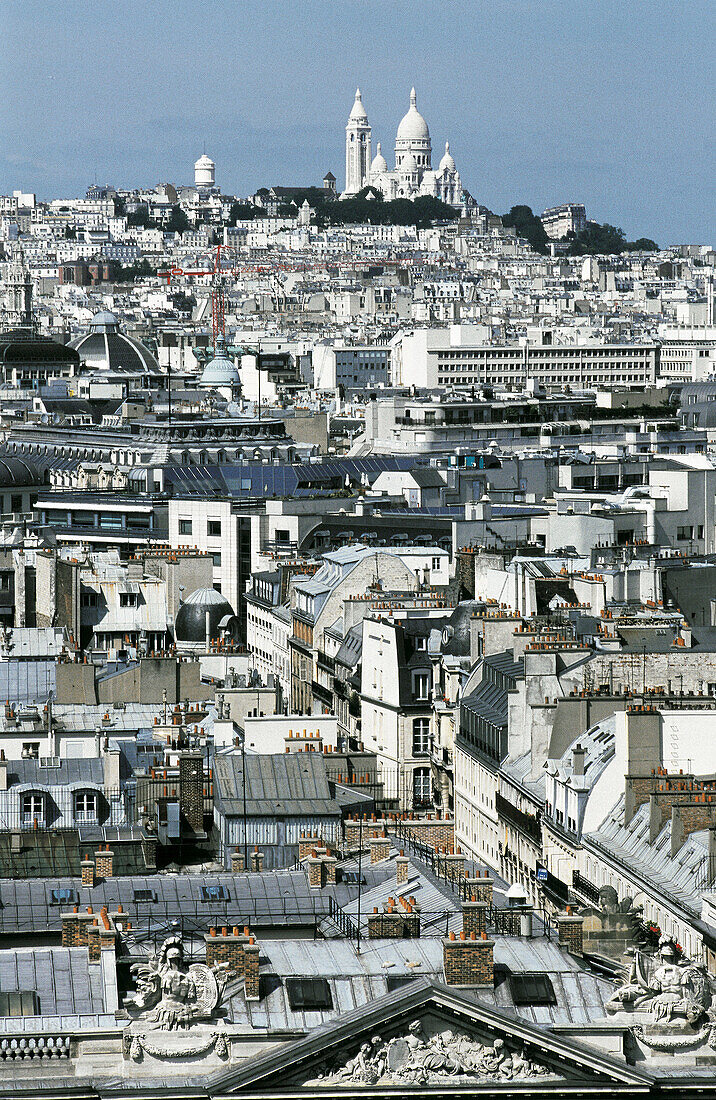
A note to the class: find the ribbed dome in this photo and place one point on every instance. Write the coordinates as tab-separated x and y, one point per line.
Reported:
204	162
408	163
413	126
447	163
190	623
358	110
220	371
379	164
104	347
206	597
104	321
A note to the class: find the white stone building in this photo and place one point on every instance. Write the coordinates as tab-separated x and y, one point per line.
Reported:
558	221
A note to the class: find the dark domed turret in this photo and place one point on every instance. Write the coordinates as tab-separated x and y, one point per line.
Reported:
456	637
191	626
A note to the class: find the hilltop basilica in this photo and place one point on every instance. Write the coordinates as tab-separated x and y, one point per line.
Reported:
413	173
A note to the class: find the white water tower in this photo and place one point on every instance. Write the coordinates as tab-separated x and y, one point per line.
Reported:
204	171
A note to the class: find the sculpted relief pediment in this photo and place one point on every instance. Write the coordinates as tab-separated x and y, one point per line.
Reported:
426	1036
426	1054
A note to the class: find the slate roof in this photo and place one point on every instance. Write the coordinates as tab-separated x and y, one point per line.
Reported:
67	405
505	664
284	480
519	769
351	647
280	898
27	681
458	644
676	878
281	783
488	701
427	477
598	745
357	980
57	853
17	471
440	910
74	769
62	977
128	717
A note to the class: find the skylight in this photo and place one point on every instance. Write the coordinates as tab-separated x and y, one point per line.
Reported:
216	892
397	981
63	895
532	989
308	993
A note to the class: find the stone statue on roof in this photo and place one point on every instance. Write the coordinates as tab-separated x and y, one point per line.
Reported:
668	999
170	994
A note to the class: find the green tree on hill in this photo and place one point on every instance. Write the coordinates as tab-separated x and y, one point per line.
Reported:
527	225
244	211
607	240
127	273
369	207
178	221
642	244
140	217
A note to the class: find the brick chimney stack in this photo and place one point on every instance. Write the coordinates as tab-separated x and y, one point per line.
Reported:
571	932
468	960
251	970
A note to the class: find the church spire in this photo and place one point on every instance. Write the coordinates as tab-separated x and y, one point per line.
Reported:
18	293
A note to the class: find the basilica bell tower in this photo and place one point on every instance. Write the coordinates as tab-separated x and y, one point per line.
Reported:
358	150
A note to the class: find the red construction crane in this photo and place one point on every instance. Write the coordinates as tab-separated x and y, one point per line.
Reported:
218	326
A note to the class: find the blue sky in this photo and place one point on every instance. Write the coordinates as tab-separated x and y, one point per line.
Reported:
609	103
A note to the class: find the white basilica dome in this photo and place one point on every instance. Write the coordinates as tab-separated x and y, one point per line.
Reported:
413	126
447	162
379	164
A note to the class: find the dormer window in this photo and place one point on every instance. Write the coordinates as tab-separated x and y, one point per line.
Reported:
33	810
86	807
